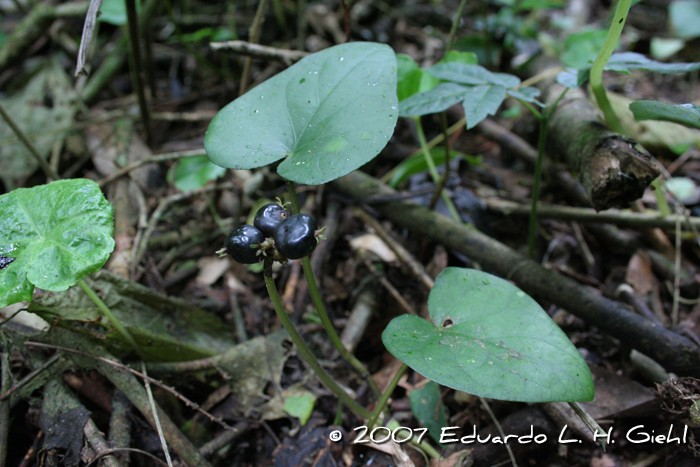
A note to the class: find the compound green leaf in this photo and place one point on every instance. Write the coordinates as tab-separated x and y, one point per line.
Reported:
469	74
527	94
326	116
481	101
57	233
489	338
441	97
685	114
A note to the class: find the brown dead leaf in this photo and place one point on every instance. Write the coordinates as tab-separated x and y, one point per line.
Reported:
639	274
211	269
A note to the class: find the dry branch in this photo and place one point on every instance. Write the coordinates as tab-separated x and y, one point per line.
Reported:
288	57
671	350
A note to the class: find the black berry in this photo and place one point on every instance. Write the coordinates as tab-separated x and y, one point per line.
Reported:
295	237
269	217
242	244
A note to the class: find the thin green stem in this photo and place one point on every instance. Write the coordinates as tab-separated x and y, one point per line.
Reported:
330	329
661	202
543	117
433	170
110	316
596	74
446	172
293	197
532	228
321	308
385	397
301	345
455	24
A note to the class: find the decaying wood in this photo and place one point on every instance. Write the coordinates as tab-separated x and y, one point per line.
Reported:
613	168
675	352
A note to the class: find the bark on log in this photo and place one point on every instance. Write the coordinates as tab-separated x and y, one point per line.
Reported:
614	169
676	353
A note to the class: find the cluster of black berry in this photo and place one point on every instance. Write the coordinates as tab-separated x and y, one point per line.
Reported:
273	229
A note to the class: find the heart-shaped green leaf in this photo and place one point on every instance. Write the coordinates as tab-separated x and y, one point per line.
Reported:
326	115
490	339
57	234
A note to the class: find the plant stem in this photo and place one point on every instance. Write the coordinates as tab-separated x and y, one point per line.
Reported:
330	329
321	308
385	397
532	228
110	316
596	74
301	345
543	117
661	202
446	173
137	68
590	423
433	171
455	25
253	37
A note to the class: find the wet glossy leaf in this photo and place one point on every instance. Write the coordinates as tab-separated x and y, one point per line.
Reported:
326	116
58	233
489	338
685	114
